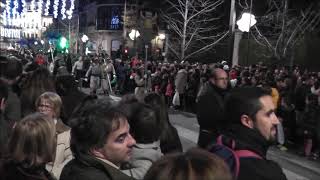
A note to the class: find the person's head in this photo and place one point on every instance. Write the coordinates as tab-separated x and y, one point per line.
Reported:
253	108
13	69
219	78
192	165
49	103
102	131
66	84
33	140
144	124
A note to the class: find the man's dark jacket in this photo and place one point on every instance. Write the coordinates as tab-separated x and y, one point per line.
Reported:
253	168
86	167
210	113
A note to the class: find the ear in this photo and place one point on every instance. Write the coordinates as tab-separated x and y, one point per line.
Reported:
97	152
2	104
246	121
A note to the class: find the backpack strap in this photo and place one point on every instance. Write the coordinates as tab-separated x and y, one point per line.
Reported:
231	144
247	154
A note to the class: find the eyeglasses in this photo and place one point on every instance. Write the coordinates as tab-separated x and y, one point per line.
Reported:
45	106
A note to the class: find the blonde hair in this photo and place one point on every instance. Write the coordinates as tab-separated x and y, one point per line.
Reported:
53	99
33	140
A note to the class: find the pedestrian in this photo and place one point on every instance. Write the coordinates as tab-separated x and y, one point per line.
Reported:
144	127
180	85
50	103
100	142
4	129
252	125
169	138
95	73
26	160
78	70
210	107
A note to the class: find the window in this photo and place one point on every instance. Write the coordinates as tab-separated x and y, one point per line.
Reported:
109	18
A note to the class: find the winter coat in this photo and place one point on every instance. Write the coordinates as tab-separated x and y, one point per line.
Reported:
63	153
139	90
210	113
86	167
181	81
143	156
254	168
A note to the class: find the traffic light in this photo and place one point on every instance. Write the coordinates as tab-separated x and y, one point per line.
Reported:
63	44
126	50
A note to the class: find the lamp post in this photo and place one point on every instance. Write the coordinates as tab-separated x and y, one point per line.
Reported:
162	37
134	34
244	24
84	40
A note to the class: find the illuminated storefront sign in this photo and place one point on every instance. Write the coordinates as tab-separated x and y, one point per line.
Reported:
10	33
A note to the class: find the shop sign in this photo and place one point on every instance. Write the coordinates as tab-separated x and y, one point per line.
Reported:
10	33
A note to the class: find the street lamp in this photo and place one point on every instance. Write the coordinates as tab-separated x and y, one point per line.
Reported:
162	36
246	21
134	34
84	38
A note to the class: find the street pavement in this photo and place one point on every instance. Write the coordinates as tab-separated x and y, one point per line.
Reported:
295	167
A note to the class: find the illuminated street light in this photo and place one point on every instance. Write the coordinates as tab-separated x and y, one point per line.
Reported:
162	36
84	38
246	21
134	34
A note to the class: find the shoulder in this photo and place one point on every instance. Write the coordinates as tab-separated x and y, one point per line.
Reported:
75	170
260	169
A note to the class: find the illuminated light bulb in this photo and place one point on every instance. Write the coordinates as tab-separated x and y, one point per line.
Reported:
46	12
70	11
55	8
63	9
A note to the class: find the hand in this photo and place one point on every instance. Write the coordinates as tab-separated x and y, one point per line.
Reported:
86	79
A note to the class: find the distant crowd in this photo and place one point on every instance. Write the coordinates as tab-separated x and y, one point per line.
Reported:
51	129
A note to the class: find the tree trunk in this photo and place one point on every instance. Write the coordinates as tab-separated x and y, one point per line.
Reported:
184	35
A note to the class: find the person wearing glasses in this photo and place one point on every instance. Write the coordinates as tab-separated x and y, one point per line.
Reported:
50	103
210	106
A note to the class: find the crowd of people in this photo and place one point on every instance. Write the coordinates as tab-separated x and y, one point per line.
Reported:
50	129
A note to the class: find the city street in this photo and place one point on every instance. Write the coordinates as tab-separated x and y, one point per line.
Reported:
295	167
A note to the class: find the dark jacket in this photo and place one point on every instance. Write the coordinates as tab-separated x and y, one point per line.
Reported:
10	170
253	168
210	113
86	167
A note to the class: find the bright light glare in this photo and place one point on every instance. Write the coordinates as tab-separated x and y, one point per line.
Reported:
134	34
84	38
246	22
162	36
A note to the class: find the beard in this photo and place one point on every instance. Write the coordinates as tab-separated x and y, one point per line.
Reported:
272	139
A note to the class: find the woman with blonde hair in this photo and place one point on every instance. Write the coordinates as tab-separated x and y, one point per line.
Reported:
50	103
31	146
